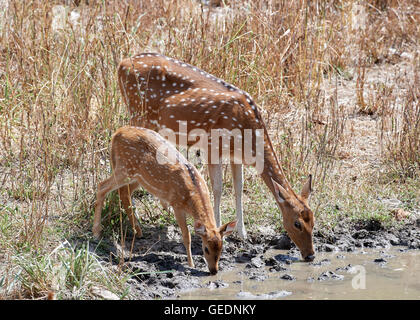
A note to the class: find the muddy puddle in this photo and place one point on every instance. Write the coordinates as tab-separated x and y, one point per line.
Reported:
367	273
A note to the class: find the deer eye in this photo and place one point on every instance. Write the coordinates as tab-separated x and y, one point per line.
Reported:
206	250
298	225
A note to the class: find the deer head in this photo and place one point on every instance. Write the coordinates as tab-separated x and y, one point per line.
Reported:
212	242
298	219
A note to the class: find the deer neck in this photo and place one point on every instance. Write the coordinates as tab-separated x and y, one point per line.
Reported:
272	168
199	205
202	210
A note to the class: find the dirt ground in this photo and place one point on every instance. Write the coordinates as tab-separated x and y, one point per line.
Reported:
159	258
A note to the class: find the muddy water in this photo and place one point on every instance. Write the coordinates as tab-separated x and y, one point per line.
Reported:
366	274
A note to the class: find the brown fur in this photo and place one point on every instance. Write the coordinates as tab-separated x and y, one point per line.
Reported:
159	91
135	162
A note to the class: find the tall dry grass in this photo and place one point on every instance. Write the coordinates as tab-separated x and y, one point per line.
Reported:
60	102
401	132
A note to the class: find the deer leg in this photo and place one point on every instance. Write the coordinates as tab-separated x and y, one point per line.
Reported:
165	205
104	188
237	174
125	197
216	179
186	236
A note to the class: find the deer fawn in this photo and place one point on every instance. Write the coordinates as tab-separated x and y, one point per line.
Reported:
162	92
141	156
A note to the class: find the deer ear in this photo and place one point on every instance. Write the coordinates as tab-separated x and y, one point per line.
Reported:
227	228
199	228
307	188
280	193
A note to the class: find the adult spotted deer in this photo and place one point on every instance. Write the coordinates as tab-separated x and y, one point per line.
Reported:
162	92
140	156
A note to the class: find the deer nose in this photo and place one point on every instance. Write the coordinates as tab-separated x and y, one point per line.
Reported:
309	258
213	272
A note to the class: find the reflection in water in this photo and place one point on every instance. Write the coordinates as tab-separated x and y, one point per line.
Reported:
394	275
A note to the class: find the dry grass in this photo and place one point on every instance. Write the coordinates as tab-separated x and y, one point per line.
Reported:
315	68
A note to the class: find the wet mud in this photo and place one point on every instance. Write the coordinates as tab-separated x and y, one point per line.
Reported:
159	262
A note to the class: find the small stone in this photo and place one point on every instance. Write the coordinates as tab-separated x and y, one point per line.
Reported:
258	277
330	247
287	277
414	244
323	262
270	261
218	284
281	242
328	275
244	257
349	268
255	263
285	258
277	268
